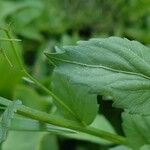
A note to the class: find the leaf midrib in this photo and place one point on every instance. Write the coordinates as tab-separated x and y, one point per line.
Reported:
99	66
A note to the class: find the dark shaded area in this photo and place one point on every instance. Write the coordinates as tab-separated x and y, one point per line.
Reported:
111	113
66	144
85	32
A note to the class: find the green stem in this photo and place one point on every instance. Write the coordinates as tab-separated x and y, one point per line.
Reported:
6	57
14	40
47	118
44	117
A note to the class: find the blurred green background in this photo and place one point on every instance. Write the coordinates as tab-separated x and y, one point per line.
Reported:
43	24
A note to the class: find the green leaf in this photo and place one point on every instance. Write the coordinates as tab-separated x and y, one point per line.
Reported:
77	104
136	128
6	119
110	66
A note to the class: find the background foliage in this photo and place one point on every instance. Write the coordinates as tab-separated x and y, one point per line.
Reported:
42	24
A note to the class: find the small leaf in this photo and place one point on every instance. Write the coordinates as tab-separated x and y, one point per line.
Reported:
6	119
80	105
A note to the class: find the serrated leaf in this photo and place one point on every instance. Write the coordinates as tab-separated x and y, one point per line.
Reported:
110	66
6	119
77	104
137	129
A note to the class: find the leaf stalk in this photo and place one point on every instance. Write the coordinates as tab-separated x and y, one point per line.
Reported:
47	118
